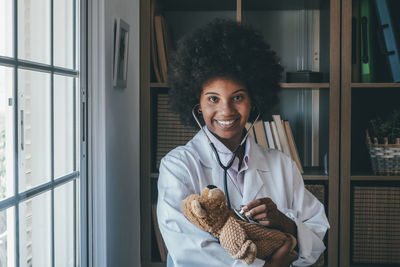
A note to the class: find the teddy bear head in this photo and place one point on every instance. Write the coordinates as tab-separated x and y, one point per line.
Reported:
207	211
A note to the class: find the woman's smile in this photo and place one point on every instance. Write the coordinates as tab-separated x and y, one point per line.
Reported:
225	105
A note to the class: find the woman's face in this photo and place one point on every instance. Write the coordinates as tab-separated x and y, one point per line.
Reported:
226	106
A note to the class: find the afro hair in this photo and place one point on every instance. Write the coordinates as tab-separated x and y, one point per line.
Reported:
226	49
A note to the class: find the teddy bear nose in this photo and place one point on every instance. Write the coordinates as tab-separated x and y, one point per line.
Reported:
211	186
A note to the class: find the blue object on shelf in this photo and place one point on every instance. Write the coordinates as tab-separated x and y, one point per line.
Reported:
386	25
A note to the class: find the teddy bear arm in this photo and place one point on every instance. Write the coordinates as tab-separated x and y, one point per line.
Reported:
235	240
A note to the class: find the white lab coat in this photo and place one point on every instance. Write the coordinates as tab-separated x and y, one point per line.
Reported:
189	169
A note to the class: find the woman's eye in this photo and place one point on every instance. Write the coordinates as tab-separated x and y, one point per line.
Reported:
238	97
213	99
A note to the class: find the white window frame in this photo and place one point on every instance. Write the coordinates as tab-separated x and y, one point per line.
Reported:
18	197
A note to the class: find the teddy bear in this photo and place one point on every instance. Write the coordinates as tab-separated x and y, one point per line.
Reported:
243	240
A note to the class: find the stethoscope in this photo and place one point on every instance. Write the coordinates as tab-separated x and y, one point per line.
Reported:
226	168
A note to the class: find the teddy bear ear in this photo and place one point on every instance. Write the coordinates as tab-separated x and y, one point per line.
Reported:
197	209
217	194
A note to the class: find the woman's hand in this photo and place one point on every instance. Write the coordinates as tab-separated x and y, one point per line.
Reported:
265	212
283	257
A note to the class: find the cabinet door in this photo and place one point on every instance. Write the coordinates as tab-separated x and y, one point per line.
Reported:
370	196
302	34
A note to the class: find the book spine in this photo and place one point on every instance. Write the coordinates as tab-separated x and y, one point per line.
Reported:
275	136
260	134
162	57
281	134
268	133
292	145
367	59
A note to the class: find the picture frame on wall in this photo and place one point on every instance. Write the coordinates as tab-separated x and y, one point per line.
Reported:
121	45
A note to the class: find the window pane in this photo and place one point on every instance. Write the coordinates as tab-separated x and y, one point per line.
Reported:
64	225
34	131
6	132
63	125
35	231
7	237
34	30
63	33
6	28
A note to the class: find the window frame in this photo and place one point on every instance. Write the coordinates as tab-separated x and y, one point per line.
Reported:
76	176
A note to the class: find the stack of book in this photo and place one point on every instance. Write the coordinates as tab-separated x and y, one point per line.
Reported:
277	134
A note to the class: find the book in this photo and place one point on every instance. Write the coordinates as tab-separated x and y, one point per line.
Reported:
281	134
292	145
248	125
275	136
355	42
154	55
160	241
260	134
386	26
160	41
268	133
367	43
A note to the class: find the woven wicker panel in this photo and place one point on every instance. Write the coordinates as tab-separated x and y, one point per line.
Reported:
318	191
170	131
376	228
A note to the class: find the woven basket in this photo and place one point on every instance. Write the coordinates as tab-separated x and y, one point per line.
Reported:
385	158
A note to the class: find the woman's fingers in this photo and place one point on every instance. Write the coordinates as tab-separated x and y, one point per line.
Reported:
267	201
257	210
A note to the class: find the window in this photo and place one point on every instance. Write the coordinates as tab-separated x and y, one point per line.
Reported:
39	133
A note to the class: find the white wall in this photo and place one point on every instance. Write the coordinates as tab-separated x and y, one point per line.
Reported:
122	143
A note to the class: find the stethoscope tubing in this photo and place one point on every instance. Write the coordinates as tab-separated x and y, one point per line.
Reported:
227	167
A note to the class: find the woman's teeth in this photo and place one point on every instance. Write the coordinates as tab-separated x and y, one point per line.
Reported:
226	123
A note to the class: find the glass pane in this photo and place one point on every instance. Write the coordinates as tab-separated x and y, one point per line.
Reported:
298	31
34	30
34	130
35	231
6	28
63	33
6	132
7	237
64	225
307	110
63	125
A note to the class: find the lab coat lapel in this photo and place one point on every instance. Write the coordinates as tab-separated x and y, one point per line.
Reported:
257	175
254	185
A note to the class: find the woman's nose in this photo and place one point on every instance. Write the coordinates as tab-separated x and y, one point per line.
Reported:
227	108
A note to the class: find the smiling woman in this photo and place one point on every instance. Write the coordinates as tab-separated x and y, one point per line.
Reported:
227	75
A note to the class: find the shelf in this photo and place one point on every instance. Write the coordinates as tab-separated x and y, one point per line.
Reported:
257	5
375	85
307	177
254	5
158	85
375	178
283	85
204	5
304	85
